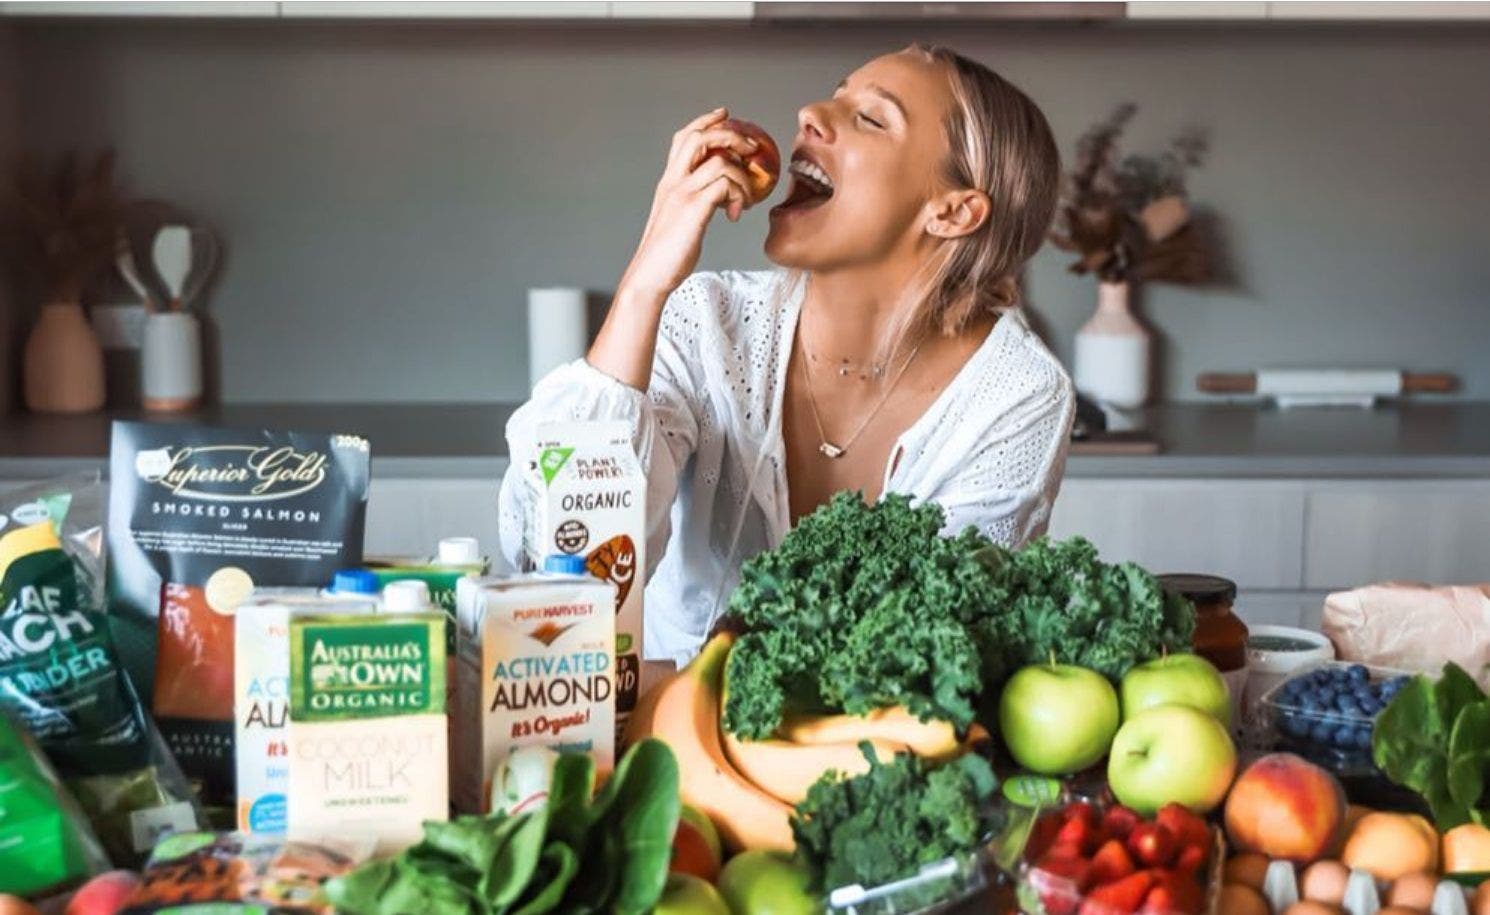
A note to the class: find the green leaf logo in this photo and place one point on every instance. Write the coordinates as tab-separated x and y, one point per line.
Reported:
551	461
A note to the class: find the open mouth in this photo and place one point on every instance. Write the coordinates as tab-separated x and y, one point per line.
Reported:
811	186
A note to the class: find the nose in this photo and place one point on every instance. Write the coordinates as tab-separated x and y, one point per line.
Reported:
816	122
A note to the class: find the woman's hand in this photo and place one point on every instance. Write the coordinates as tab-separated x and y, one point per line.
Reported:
692	186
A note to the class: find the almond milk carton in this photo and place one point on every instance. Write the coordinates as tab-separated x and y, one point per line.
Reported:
587	498
535	667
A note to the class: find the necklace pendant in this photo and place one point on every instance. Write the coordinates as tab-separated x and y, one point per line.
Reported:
830	450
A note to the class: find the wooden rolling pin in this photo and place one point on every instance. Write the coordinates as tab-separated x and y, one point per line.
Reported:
1246	382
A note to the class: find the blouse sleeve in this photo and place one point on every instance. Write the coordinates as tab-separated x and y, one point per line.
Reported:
664	421
1008	487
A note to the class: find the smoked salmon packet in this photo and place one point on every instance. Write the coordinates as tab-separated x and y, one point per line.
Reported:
199	516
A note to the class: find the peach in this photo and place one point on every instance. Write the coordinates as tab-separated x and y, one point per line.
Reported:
1248	869
1392	845
696	848
763	166
1283	806
1466	849
104	894
1236	899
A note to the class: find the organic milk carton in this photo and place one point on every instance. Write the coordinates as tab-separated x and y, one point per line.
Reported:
261	697
588	498
537	654
367	727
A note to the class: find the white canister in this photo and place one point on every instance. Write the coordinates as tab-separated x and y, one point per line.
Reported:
1113	352
558	329
1267	666
171	361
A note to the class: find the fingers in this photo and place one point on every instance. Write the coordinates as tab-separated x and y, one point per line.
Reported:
694	126
735	190
703	142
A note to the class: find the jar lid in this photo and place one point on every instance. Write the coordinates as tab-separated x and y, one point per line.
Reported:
1198	587
406	596
458	551
565	564
355	581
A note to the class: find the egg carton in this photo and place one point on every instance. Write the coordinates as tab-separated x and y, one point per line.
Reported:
1280	887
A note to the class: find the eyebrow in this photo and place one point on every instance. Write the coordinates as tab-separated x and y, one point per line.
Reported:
883	93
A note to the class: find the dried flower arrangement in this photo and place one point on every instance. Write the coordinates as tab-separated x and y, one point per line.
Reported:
69	219
1129	219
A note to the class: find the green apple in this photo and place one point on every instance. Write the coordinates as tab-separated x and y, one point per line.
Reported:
686	894
1057	719
1176	679
700	821
1171	753
765	882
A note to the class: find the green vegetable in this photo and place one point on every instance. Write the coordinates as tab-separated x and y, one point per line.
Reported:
1434	737
887	823
867	606
529	864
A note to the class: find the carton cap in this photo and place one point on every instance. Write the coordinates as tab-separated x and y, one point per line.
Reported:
407	596
458	551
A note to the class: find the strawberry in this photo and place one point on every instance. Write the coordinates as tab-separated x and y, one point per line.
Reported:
1151	844
1042	836
1173	894
1188	829
1079	832
1118	821
1059	883
1121	896
1191	858
1112	862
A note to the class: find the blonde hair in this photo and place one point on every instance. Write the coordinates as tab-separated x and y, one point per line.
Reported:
999	143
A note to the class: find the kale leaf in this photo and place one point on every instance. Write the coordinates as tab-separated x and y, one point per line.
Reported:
866	606
895	818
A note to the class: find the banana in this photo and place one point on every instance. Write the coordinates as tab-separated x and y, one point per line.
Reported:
683	711
934	740
786	770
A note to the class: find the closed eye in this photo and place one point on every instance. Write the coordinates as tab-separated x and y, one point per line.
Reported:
870	121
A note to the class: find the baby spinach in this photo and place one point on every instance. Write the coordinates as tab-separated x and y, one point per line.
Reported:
1434	737
576	855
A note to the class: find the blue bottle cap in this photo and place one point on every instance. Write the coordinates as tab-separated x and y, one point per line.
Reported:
354	581
565	564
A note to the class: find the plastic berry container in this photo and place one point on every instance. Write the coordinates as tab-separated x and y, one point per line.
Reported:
1325	713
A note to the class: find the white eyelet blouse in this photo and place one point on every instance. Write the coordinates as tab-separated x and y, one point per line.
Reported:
991	448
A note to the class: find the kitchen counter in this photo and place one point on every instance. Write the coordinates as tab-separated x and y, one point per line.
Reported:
465	441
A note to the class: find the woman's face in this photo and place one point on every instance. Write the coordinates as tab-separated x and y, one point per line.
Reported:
865	165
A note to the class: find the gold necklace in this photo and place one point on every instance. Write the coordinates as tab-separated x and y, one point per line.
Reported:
829	449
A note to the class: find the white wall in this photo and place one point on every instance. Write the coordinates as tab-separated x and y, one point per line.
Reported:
388	191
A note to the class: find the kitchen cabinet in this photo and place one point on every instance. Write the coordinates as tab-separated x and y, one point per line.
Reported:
407	517
1437	531
1425	10
443	9
1198	9
227	9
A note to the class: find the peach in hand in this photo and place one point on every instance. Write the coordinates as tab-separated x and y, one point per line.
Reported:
763	166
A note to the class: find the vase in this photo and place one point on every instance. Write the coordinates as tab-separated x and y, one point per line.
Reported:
171	362
63	363
1114	352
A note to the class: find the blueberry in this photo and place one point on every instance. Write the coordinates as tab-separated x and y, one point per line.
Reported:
1363	738
1348	704
1344	737
1327	696
1312	703
1359	674
1294	726
1322	732
1362	693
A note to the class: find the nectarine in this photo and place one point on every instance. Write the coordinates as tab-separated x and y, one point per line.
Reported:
1283	806
104	894
1466	849
763	166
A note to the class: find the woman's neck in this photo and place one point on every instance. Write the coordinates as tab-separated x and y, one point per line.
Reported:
855	314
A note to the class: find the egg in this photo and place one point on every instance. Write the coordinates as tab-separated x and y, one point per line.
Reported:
1248	869
1480	904
15	905
1324	881
1413	891
1400	910
1310	907
1239	899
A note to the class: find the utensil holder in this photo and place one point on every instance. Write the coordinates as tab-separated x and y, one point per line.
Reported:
171	362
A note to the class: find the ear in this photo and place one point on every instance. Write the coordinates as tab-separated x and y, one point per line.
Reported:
958	213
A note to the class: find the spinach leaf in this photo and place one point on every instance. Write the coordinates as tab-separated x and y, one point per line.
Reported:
1412	742
512	867
360	890
556	868
569	800
1469	759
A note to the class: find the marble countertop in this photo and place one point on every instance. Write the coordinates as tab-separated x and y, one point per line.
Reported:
1196	439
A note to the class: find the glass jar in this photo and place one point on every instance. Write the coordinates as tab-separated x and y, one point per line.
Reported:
1220	635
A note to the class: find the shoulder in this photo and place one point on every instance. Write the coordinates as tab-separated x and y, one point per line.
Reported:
1028	367
723	309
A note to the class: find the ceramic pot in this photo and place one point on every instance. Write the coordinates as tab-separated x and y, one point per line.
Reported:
1114	352
171	362
63	364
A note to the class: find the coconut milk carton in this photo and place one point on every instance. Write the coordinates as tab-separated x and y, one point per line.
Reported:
588	498
536	668
367	727
261	697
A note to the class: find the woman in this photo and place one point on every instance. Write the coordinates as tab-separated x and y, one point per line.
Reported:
879	360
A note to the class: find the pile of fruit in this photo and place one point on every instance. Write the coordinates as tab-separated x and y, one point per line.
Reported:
1088	861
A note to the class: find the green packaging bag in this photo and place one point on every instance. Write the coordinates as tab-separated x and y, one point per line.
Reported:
45	841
